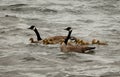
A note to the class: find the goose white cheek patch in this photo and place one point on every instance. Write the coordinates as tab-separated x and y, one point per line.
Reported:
34	28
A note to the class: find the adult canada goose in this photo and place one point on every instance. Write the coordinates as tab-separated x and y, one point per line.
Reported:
49	40
73	48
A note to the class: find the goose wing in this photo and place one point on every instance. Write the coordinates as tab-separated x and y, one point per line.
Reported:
79	49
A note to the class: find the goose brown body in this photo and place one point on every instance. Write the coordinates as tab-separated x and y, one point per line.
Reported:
75	48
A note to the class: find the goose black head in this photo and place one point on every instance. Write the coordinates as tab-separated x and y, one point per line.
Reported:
68	29
32	27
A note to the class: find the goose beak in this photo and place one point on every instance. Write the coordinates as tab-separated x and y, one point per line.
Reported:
68	28
31	27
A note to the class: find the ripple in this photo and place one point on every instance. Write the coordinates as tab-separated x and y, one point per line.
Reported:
17	5
89	18
111	74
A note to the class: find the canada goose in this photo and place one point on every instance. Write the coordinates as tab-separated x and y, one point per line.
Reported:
73	48
82	42
32	41
95	41
45	41
36	32
101	43
49	40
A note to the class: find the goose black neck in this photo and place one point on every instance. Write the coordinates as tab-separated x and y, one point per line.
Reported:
67	38
38	35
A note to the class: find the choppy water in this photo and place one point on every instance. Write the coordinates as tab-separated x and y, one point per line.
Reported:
89	18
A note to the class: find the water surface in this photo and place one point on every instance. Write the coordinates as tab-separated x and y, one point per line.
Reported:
89	19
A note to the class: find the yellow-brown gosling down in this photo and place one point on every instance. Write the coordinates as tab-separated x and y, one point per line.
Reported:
94	41
33	41
82	42
98	42
101	43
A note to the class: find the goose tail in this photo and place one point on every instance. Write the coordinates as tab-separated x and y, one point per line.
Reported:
89	48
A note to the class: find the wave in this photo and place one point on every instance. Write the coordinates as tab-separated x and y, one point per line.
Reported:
17	5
